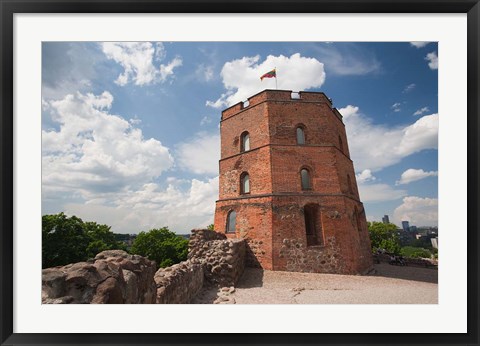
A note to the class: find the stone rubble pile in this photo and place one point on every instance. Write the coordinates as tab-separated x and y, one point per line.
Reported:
113	277
225	296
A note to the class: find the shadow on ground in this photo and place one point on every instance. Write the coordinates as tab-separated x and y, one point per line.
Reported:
207	295
406	273
252	277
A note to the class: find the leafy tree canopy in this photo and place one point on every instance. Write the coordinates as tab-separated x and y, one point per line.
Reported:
68	240
384	236
162	246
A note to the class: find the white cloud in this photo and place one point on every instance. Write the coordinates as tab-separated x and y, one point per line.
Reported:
371	192
205	120
375	146
241	77
419	44
365	176
347	59
99	167
135	120
409	88
200	154
151	207
160	52
204	73
411	175
68	67
418	211
432	59
379	193
95	153
396	107
421	111
167	70
137	59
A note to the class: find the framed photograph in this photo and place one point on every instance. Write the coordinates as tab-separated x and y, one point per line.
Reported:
146	115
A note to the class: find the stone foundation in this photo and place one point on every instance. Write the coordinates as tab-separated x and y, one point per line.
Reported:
313	259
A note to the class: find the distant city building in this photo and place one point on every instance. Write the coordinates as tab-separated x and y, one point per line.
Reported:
405	238
434	242
385	219
413	229
406	226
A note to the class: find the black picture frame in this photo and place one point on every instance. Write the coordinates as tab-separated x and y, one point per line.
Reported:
9	7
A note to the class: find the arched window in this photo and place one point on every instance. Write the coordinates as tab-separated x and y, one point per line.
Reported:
245	142
305	177
231	221
349	182
300	135
244	183
340	143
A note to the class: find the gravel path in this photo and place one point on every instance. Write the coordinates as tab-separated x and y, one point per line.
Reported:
388	285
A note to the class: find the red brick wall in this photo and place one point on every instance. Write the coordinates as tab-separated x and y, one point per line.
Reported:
256	163
253	223
271	217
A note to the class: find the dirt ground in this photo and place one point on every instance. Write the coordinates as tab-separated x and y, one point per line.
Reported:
388	284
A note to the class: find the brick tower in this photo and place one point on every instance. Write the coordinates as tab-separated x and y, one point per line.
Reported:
287	185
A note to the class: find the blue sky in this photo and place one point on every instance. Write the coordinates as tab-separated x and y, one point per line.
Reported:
130	131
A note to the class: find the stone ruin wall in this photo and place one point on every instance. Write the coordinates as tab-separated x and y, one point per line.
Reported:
223	259
112	277
116	277
179	284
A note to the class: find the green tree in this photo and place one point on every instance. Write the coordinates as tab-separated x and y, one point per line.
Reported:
69	240
415	252
63	240
162	246
211	227
100	239
384	236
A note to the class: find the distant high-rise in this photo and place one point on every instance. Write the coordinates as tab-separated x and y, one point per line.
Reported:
385	219
406	226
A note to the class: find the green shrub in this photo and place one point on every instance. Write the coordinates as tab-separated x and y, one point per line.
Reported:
415	252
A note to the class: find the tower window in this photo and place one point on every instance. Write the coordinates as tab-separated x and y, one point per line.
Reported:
313	226
244	183
231	221
300	135
305	177
245	142
340	143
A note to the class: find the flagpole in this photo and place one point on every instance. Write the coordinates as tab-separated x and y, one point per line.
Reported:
276	86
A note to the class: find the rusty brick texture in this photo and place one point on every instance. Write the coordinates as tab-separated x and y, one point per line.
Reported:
325	221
